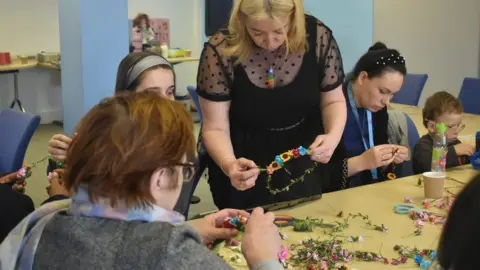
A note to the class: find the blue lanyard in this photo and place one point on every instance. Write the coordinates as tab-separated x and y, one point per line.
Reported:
369	123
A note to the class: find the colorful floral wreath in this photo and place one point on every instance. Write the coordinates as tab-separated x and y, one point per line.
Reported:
280	162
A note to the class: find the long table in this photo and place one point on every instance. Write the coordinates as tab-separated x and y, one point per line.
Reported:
16	66
377	201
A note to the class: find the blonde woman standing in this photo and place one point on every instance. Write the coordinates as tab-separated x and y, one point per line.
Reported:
270	84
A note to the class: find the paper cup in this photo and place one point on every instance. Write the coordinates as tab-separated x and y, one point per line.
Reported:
433	184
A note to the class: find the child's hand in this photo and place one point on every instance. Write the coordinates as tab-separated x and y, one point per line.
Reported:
464	149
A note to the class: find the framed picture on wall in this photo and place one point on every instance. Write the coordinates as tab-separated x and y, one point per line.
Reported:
161	27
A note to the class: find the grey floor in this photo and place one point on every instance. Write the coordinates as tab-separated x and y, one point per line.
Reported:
38	181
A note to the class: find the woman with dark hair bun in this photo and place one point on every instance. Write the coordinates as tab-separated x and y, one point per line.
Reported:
376	78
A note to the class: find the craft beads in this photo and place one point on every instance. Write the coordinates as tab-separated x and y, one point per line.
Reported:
270	78
281	159
238	223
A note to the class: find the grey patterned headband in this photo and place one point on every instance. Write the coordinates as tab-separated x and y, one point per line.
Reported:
144	64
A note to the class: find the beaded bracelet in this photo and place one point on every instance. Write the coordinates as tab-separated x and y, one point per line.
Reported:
280	162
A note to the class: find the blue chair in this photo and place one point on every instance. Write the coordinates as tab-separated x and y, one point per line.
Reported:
470	95
17	130
413	138
411	90
193	93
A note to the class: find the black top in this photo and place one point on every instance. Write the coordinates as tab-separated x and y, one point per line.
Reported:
14	206
267	122
380	136
422	155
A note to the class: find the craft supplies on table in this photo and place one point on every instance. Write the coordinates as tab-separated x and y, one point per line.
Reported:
5	58
405	209
284	221
48	57
164	50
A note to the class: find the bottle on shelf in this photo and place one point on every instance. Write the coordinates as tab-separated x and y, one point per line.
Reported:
164	50
439	152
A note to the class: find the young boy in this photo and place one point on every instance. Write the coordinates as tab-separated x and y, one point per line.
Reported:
442	107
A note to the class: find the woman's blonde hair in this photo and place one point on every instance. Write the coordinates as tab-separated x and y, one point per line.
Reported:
240	42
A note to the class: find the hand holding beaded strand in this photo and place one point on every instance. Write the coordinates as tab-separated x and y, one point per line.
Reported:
279	163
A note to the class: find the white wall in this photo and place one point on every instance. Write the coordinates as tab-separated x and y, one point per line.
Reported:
30	26
27	27
437	37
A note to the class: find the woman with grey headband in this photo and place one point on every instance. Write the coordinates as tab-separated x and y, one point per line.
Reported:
137	72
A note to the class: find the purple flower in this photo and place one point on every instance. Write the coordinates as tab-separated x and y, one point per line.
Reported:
22	173
283	254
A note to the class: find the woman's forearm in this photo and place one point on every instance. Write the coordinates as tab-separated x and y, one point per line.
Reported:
355	165
219	146
334	116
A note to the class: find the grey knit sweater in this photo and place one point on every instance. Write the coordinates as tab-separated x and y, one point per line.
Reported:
72	242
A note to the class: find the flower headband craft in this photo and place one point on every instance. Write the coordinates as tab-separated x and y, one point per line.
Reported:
279	163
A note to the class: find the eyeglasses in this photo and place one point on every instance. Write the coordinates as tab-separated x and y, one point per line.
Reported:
188	170
458	127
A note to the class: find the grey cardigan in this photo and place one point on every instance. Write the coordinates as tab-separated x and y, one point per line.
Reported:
73	242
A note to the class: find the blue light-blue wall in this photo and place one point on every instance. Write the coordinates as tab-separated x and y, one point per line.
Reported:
351	22
93	40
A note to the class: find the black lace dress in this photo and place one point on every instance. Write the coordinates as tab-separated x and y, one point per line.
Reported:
267	122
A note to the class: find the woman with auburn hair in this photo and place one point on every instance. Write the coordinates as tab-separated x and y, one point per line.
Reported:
271	83
126	167
142	33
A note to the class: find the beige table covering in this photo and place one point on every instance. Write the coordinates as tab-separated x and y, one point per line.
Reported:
377	201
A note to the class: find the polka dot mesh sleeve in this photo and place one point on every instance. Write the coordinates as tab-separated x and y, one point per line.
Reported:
214	72
329	56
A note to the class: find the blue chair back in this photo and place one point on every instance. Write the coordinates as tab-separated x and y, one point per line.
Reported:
17	130
413	138
411	90
470	95
193	93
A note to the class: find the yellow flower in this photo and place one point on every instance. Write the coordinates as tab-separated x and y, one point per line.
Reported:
286	156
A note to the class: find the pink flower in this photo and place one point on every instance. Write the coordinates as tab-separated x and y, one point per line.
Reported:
337	265
360	239
315	257
22	173
419	224
323	265
283	254
426	204
51	176
408	200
